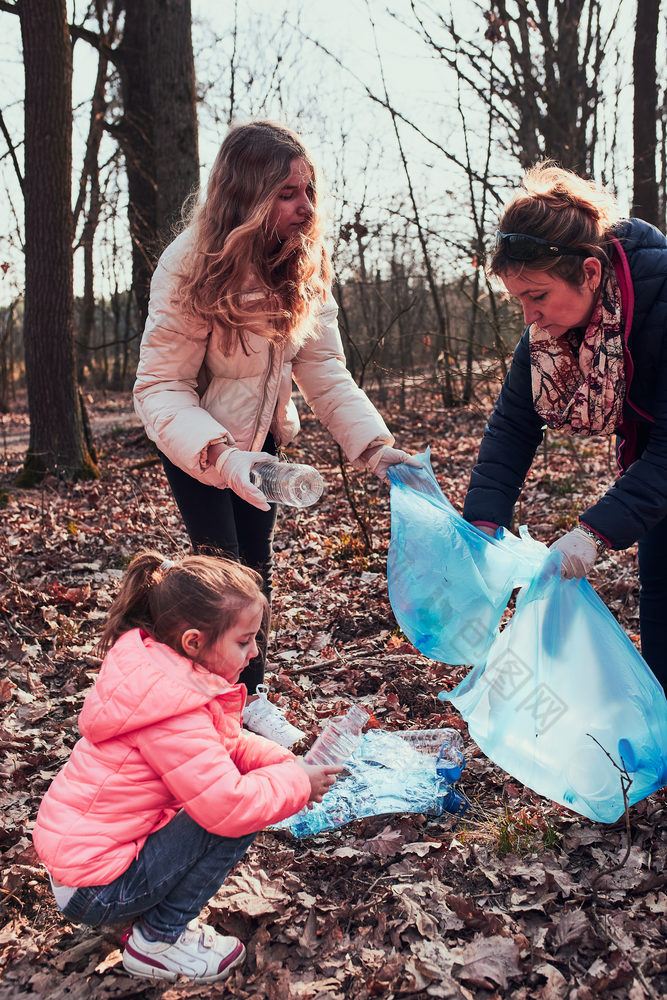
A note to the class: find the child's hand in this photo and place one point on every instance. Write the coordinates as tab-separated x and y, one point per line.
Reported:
321	777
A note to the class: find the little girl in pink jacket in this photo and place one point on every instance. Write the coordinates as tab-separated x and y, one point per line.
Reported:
165	792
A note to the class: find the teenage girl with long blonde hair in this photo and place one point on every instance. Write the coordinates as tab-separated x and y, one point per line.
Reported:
240	306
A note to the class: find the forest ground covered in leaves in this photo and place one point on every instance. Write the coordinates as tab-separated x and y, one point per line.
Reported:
523	899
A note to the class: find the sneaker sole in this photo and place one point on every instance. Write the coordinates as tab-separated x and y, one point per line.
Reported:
141	970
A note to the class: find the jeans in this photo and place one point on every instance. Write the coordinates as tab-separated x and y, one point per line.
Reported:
653	599
220	522
180	867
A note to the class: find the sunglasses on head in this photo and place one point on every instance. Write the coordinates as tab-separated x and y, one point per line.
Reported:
521	246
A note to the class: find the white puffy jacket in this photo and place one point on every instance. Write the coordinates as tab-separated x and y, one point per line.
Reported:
189	395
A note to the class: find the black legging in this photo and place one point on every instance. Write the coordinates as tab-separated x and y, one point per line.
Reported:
220	522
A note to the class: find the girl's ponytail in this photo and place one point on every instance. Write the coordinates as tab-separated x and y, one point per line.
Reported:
131	606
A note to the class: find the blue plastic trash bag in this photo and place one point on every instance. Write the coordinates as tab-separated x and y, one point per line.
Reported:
449	582
390	773
563	694
557	698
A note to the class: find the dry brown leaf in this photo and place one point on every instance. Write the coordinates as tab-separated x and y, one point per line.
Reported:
488	962
573	926
253	894
6	689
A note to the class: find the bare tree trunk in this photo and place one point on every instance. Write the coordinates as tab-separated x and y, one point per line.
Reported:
645	201
158	132
90	181
400	295
547	91
104	377
7	325
117	341
439	304
471	345
352	354
57	434
126	340
479	212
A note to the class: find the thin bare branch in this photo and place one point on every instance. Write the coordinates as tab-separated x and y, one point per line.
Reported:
11	149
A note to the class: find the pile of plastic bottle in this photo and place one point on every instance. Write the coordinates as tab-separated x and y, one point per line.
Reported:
386	772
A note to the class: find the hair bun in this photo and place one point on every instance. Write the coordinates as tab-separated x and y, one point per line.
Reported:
559	187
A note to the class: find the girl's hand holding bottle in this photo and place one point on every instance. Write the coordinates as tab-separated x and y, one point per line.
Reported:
322	778
233	467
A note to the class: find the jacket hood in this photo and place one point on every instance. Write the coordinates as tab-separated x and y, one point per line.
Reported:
127	695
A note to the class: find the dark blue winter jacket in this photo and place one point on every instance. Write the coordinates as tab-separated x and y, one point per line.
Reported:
638	499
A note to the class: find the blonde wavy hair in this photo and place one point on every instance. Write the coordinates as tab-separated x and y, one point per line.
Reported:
231	275
559	206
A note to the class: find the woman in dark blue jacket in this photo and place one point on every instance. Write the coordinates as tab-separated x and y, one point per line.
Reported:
592	361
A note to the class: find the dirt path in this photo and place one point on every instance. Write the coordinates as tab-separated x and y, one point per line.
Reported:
113	412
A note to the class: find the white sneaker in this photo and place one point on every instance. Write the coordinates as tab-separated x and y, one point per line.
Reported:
200	953
263	718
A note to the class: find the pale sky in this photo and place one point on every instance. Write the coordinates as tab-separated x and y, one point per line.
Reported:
320	98
351	136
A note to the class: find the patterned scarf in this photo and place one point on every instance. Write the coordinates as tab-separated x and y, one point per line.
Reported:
579	385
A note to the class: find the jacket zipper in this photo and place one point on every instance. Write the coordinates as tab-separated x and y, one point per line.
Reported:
262	400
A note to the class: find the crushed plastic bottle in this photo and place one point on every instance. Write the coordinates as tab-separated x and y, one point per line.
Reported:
339	739
288	482
390	773
433	742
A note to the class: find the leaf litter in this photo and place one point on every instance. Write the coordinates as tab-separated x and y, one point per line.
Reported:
513	902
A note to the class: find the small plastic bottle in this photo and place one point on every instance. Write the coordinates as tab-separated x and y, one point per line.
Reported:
288	482
339	738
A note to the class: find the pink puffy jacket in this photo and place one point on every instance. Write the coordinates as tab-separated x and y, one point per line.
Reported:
189	394
159	734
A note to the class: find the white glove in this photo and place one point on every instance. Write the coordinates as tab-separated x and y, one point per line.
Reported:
579	553
381	458
234	466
